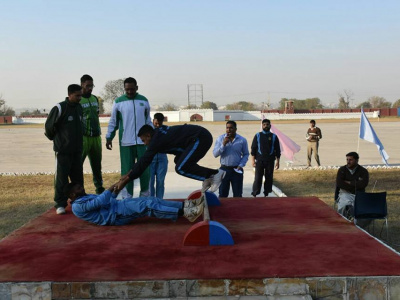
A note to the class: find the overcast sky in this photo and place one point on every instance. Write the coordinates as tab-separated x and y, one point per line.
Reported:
238	50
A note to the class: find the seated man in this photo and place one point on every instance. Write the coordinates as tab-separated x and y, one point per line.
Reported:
351	178
189	144
105	209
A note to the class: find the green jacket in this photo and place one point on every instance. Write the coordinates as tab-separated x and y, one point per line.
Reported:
64	127
91	123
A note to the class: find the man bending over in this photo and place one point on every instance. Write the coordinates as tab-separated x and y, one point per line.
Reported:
189	144
105	209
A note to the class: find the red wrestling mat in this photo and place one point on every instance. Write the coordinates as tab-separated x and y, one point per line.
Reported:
275	237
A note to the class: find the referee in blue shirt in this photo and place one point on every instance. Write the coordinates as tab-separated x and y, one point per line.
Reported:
234	153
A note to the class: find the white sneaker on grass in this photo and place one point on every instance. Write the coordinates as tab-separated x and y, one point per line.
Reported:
60	211
193	203
192	213
216	180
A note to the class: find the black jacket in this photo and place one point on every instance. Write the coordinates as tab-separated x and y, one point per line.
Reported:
358	181
265	146
64	127
168	139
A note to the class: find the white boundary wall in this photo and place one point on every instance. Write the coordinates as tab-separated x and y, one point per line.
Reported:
221	115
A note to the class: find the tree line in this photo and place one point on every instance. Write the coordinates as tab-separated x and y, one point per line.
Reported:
4	109
115	88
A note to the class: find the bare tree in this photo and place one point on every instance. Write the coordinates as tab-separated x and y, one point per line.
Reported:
345	98
396	103
101	105
191	106
242	105
4	109
168	107
112	90
209	104
365	104
379	102
2	101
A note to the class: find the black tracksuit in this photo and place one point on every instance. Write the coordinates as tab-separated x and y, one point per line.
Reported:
64	127
266	148
189	144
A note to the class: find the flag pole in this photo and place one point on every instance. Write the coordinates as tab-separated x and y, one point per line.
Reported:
359	128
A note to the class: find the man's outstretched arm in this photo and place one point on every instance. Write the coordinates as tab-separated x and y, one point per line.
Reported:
137	169
124	180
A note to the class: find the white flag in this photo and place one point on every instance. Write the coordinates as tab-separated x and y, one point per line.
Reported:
368	133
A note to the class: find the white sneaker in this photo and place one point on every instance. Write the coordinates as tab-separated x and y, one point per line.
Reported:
192	213
123	194
144	194
206	184
193	203
60	211
216	180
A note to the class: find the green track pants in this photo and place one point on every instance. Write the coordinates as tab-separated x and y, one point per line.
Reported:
129	155
92	149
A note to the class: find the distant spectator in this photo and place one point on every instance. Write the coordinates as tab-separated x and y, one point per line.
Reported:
313	136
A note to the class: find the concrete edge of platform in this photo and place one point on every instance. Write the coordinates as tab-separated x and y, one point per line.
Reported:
278	192
376	287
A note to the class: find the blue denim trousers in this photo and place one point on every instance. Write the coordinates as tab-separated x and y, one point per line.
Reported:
158	170
130	209
231	178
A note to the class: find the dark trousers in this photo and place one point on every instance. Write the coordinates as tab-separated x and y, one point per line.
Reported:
68	166
231	178
186	163
263	168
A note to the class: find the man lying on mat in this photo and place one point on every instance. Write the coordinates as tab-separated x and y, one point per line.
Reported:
105	209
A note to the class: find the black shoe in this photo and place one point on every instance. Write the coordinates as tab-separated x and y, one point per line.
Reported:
349	212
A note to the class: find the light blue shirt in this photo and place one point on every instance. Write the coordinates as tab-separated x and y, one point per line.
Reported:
235	153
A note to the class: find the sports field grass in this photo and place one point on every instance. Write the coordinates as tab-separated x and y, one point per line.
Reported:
321	183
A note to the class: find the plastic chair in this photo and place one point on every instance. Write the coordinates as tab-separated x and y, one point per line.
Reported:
371	206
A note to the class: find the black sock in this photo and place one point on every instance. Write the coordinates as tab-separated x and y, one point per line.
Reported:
180	211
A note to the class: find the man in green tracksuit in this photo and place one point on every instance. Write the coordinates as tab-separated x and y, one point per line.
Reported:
91	131
64	127
129	113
